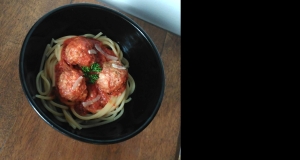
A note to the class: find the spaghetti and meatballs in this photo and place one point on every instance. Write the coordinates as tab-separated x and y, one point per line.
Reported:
84	80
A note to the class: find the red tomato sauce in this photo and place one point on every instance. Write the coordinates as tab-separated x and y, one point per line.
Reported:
74	55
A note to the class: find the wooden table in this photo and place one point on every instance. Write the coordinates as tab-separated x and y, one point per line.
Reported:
25	136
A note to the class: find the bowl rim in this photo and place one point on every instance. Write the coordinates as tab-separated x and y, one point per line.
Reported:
51	123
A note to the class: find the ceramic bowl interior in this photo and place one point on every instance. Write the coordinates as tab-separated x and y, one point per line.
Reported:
145	67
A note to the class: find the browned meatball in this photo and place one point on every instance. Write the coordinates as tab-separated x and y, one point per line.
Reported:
95	99
77	52
71	85
112	79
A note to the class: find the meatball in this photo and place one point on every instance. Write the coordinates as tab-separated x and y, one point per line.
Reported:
99	99
112	79
77	52
71	85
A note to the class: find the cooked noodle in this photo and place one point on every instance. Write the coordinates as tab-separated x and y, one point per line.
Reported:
45	82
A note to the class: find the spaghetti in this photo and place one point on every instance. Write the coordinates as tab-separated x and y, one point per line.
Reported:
80	98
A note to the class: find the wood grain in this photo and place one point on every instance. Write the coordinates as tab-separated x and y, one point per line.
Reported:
24	135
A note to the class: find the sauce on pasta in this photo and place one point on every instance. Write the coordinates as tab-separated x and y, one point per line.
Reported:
74	55
66	89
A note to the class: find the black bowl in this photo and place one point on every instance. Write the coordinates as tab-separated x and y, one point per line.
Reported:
145	67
